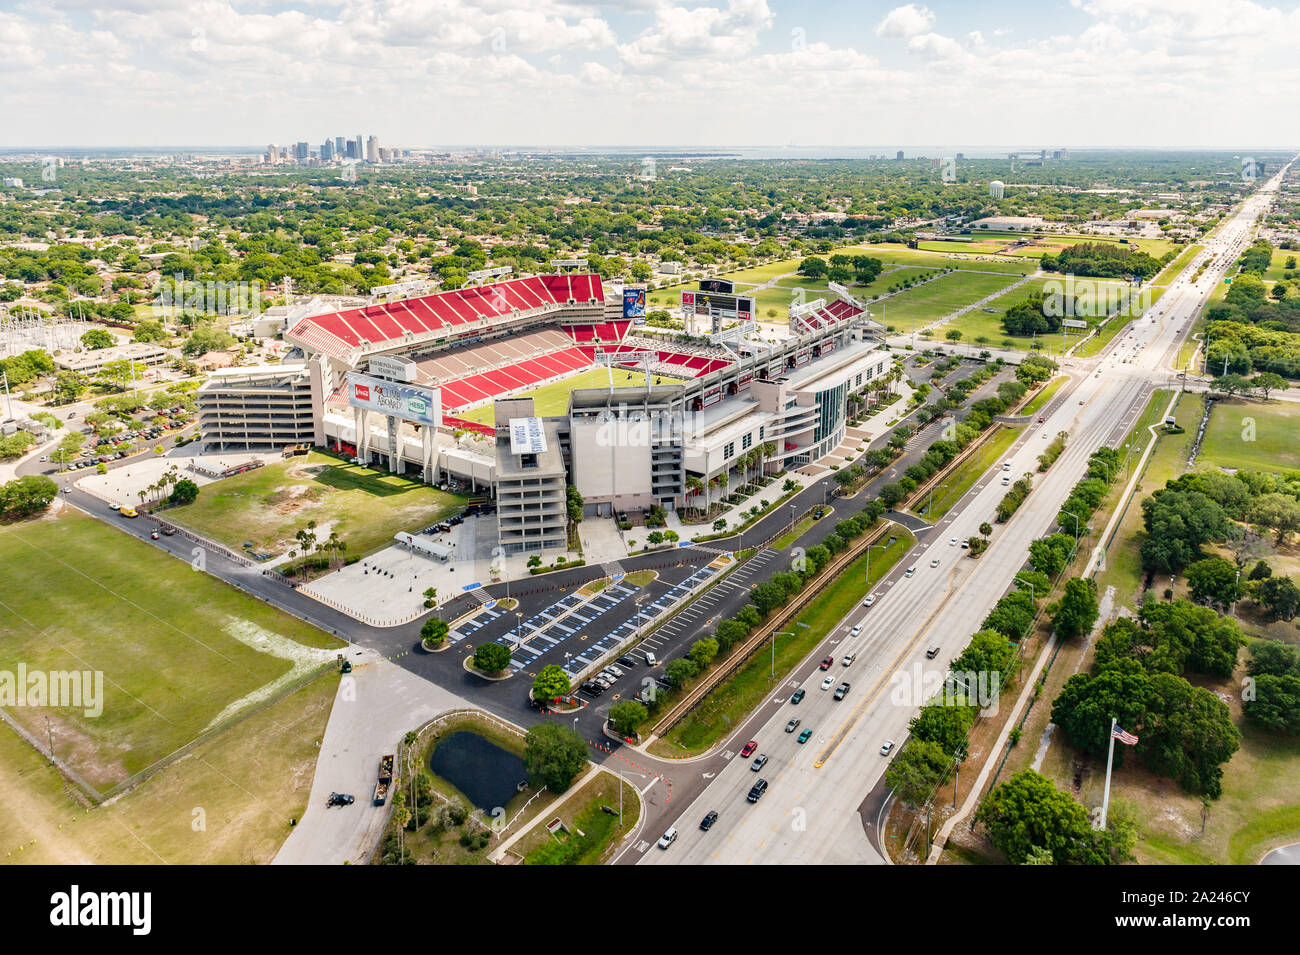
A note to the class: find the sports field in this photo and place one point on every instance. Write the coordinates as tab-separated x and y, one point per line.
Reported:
1256	435
179	650
938	298
553	399
268	506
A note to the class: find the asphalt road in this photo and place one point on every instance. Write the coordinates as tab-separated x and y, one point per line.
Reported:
811	812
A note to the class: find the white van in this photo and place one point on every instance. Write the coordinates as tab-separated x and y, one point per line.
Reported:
650	659
668	838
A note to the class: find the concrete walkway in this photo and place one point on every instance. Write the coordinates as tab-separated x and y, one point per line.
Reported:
375	707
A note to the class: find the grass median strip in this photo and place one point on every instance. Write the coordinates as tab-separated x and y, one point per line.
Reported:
961	480
733	699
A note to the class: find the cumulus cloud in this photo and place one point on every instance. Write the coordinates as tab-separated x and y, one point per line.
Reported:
905	21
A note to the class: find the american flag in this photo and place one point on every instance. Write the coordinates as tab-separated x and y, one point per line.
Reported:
1119	733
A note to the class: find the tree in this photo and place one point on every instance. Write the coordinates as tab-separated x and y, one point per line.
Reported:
1028	812
433	633
1276	704
68	387
1278	596
551	683
679	671
554	755
1213	581
203	340
491	657
953	335
626	716
945	726
122	372
1177	524
96	339
720	524
1078	608
573	503
184	492
430	597
26	496
915	772
149	331
1267	381
1280	512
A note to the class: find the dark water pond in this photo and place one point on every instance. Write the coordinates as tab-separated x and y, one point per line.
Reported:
479	768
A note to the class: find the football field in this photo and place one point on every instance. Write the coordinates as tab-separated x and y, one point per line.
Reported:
553	399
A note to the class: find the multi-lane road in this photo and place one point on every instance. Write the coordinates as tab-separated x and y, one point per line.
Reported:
810	813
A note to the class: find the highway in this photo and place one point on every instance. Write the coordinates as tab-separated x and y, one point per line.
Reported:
809	813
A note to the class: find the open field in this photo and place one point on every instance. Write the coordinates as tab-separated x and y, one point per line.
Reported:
269	505
936	299
731	701
179	650
228	802
1251	434
553	399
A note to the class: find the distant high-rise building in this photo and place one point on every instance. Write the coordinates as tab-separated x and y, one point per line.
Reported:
351	150
361	147
326	151
898	155
340	150
272	155
372	149
301	151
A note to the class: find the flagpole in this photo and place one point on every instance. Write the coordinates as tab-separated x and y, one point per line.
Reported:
1110	756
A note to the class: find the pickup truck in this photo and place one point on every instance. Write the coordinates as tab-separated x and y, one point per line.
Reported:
381	793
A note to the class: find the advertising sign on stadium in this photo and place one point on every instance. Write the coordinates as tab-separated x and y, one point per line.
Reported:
712	396
634	305
801	358
828	347
568	263
408	402
705	303
725	286
527	436
397	367
744	381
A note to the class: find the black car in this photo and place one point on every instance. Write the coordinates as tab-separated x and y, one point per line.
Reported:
798	696
707	822
756	792
593	688
341	799
626	661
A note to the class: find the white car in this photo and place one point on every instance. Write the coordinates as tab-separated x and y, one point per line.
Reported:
857	629
828	683
885	749
952	542
935	562
668	838
871	598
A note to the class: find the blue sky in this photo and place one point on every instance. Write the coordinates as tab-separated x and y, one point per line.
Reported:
1078	73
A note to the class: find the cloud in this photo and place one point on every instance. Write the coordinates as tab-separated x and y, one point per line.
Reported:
906	21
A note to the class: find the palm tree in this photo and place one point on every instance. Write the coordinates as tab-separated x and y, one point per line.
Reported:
693	488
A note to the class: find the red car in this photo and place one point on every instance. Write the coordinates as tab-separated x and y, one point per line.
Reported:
749	748
828	663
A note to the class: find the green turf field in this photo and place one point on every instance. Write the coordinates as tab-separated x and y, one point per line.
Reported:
270	505
178	649
938	298
1257	435
553	399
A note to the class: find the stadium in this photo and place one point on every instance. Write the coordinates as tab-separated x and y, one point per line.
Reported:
448	385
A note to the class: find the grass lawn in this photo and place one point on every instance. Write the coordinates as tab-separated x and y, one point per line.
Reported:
789	537
1255	435
582	813
269	505
961	480
732	700
553	399
936	299
1044	396
1170	271
178	649
242	787
896	254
